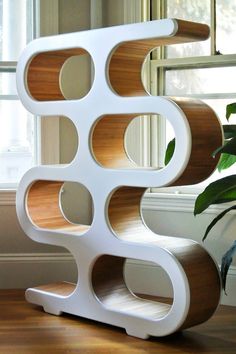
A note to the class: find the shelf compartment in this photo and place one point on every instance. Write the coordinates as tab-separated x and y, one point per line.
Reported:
108	140
44	73
207	135
60	288
108	144
110	288
127	59
44	208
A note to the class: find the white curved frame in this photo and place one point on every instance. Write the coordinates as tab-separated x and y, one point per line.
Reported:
101	239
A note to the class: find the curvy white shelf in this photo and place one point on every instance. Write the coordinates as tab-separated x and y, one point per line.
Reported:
116	184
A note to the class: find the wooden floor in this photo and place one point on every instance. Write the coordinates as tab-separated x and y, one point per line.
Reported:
25	328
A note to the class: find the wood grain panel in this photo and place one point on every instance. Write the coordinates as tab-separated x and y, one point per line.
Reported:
207	136
124	213
108	141
204	283
43	73
43	205
60	288
127	59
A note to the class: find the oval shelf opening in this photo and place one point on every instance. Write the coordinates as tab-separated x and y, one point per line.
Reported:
59	206
60	74
118	142
110	287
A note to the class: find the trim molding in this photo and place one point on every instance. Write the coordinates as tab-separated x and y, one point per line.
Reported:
151	201
24	270
7	197
178	203
156	282
35	257
48	17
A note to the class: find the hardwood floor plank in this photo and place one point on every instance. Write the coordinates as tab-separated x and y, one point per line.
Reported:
26	329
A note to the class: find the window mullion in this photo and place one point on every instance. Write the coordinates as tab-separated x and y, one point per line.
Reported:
199	62
213	27
157	124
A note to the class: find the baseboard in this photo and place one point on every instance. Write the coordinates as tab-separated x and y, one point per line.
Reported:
184	203
27	270
21	271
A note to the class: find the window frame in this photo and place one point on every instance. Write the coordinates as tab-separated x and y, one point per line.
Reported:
45	22
9	66
158	65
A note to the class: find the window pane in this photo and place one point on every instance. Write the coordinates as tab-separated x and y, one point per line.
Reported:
190	10
225	26
8	83
16	141
219	106
200	81
15	27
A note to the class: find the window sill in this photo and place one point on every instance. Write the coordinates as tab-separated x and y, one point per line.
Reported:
8	197
177	202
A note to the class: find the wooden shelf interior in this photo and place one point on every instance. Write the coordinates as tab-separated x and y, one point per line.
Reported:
127	59
44	208
60	288
207	135
110	288
44	74
108	140
126	221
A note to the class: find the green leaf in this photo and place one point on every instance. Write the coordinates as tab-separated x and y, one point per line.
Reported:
215	220
221	191
226	160
230	109
226	262
229	131
228	148
169	151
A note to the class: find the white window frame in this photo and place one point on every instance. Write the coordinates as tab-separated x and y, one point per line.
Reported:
7	190
178	195
46	23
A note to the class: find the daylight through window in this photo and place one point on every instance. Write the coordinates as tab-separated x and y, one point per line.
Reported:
204	70
17	126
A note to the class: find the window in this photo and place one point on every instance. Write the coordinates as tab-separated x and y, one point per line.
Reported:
205	70
17	126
